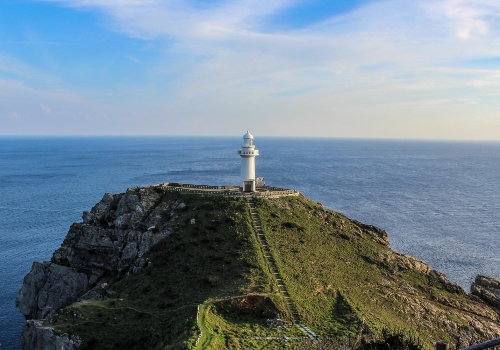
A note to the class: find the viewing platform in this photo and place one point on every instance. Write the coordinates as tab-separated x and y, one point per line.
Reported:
234	191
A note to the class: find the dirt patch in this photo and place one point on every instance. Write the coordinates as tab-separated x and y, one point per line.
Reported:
252	307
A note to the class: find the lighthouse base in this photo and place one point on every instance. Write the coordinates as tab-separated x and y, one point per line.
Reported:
249	186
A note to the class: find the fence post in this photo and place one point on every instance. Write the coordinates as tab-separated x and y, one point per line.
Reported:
442	345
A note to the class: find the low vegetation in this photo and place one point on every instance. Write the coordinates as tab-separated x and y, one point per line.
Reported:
210	275
198	263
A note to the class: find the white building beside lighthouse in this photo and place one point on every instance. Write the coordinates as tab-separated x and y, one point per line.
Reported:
248	154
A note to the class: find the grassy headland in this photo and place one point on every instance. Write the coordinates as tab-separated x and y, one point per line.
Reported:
210	274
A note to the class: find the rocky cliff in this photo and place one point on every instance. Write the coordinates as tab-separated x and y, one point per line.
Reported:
113	237
36	336
143	255
487	289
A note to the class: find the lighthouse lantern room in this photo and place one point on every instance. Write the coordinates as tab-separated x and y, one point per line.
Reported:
248	154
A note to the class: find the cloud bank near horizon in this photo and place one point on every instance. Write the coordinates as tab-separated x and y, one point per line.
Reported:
395	68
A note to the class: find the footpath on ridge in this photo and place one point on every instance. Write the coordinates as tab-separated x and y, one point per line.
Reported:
274	270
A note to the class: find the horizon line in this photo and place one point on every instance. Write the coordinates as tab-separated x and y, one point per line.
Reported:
261	136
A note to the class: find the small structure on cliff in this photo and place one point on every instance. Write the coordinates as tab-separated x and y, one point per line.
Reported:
248	154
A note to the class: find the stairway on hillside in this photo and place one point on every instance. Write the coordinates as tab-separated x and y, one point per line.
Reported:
270	260
274	270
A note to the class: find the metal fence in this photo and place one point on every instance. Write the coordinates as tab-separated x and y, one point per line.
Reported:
490	344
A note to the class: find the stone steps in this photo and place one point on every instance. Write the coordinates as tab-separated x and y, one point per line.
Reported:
274	271
270	260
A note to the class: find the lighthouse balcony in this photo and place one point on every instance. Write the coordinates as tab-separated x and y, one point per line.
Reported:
242	152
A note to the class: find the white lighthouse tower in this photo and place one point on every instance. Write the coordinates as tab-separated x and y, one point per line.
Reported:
248	154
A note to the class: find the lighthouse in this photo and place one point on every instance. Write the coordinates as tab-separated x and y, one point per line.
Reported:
248	154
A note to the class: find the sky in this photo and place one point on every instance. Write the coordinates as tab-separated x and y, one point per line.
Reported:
406	69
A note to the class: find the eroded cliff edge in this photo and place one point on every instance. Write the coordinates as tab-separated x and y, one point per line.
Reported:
116	235
112	238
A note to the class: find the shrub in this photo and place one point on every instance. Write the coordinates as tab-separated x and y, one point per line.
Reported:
391	340
292	225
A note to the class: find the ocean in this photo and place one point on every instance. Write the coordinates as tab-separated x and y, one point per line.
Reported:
439	201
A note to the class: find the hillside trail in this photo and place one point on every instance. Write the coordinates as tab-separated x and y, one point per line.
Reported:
274	271
206	337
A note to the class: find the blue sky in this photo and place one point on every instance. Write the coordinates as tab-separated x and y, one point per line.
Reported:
417	69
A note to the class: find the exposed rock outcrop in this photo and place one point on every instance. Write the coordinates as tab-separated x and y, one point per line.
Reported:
470	320
402	262
49	286
113	237
116	232
376	233
487	288
35	336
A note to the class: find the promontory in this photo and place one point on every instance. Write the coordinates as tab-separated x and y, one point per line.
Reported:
177	266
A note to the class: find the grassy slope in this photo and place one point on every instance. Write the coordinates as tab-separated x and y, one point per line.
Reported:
326	262
156	307
323	257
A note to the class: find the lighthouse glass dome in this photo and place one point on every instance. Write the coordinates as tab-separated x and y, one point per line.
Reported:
248	139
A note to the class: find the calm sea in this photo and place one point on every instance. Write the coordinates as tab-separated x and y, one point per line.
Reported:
439	201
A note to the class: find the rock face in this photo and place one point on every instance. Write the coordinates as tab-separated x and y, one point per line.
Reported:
36	337
402	262
113	237
376	233
48	287
468	319
487	288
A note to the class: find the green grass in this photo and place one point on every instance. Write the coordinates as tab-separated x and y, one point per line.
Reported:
328	263
227	331
156	307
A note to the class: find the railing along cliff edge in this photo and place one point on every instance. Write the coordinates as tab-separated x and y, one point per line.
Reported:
232	191
486	345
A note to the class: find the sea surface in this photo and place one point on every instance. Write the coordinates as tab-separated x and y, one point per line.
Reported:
439	201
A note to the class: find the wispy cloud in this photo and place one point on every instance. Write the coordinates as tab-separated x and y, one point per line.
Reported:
229	37
14	115
15	68
368	64
46	109
134	59
473	18
181	18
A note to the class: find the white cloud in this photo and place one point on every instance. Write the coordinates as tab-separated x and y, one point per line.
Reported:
28	112
229	38
470	100
179	18
134	59
46	109
14	67
373	63
472	18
